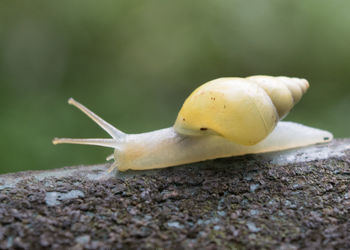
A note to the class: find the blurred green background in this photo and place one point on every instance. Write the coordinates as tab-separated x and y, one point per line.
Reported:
135	62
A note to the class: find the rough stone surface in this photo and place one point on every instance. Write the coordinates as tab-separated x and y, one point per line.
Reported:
285	200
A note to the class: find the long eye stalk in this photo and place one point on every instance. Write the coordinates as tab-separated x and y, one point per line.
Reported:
111	130
116	134
109	143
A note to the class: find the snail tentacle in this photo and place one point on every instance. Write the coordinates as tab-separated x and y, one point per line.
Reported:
110	129
109	143
110	157
117	135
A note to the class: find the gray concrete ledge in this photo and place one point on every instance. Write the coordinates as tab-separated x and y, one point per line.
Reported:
288	200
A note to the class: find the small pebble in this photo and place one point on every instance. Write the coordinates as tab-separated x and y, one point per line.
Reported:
252	227
253	187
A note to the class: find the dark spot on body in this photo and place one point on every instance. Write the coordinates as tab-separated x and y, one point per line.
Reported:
326	138
213	98
183	119
203	129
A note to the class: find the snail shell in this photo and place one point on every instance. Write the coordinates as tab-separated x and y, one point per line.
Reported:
242	110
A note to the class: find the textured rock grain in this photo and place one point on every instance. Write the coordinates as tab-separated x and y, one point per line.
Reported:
285	200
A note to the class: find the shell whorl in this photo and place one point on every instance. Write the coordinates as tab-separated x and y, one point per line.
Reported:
284	92
243	110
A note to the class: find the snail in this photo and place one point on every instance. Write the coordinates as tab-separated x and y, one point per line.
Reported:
222	118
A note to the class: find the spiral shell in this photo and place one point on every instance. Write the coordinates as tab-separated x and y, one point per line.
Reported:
243	110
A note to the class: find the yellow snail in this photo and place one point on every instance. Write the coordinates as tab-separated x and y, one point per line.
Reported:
224	117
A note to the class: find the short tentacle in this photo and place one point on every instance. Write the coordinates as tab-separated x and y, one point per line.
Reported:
113	166
110	157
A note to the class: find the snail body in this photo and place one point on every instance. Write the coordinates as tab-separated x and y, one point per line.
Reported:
224	117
